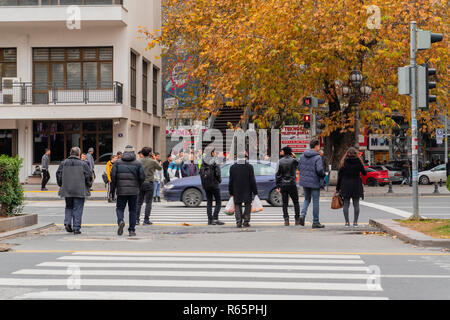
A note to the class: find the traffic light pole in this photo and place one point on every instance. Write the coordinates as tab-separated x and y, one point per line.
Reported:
414	128
311	117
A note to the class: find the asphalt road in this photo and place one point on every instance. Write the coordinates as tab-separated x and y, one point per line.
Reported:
267	261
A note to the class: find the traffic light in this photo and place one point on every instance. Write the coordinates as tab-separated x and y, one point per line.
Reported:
307	121
319	125
425	85
307	101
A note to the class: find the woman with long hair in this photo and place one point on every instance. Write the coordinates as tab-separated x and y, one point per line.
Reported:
349	183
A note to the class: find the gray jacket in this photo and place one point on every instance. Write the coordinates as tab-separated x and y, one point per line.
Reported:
45	161
74	178
90	160
311	170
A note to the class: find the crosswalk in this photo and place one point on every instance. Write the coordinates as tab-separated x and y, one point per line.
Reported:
198	276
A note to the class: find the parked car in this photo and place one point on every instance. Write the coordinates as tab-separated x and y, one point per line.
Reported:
394	175
189	190
375	178
434	175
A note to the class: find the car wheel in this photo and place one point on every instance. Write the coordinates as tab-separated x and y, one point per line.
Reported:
424	180
275	199
192	197
371	182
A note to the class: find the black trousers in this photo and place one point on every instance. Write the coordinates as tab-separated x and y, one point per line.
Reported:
111	191
45	178
247	212
210	194
292	192
145	195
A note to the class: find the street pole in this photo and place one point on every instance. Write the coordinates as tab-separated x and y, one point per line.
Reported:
357	125
310	119
414	129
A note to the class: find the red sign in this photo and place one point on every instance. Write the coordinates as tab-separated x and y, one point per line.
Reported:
296	138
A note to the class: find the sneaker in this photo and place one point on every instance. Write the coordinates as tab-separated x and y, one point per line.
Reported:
77	232
44	189
317	226
218	223
286	223
355	224
148	222
302	221
132	233
347	224
68	228
210	222
121	226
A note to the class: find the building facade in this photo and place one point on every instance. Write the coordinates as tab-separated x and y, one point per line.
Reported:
75	73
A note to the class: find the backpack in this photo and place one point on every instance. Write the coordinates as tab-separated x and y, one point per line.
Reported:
207	175
105	178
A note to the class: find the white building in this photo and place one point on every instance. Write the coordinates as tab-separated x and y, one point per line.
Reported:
78	76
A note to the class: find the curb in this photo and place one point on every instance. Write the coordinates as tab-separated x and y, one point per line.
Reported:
408	235
25	231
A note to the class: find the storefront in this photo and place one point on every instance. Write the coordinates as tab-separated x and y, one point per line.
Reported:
379	144
8	142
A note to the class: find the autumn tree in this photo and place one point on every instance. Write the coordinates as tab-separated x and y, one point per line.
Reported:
265	56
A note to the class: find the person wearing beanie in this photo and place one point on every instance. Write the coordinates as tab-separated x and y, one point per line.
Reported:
286	183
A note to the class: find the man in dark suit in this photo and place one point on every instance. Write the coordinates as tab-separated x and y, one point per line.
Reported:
242	185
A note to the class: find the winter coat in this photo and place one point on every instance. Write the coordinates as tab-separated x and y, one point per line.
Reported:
45	162
109	166
127	175
214	181
74	178
150	166
349	179
166	171
287	172
242	183
311	170
90	160
189	169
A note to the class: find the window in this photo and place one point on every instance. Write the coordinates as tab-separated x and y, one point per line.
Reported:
72	68
133	79
61	136
155	91
8	64
8	142
225	171
263	170
144	84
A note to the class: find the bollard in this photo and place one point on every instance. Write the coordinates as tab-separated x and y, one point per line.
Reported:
390	187
436	189
440	183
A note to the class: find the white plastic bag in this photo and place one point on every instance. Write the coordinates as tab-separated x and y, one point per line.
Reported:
229	208
257	205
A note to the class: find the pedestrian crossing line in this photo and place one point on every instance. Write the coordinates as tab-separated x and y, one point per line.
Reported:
217	254
204	274
216	259
194	224
329	286
117	295
202	266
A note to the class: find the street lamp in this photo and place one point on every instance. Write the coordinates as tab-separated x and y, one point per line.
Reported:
357	92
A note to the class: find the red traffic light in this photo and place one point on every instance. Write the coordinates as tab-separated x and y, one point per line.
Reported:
307	101
307	118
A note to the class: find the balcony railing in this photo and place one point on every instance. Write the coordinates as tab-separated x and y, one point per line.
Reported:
24	93
9	3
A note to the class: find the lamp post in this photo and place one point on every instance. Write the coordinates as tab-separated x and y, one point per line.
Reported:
357	91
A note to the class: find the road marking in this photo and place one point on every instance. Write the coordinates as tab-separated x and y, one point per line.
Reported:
194	284
207	259
201	266
387	209
205	274
117	295
218	254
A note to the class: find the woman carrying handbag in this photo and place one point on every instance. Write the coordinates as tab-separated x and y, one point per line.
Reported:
349	184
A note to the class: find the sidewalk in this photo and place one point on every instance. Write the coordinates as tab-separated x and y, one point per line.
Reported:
34	193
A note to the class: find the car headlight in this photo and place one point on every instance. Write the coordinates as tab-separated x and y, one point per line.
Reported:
169	186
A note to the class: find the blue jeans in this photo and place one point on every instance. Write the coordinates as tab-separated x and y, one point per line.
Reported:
132	209
156	189
74	212
315	193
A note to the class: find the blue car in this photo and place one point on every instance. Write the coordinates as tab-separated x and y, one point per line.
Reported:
189	190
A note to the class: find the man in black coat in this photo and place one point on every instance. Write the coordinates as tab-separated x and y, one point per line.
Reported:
286	183
242	186
127	176
74	178
166	167
210	176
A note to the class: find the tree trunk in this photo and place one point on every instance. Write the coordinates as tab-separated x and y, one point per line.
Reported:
3	210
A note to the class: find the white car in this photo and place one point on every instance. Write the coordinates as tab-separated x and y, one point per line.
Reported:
434	175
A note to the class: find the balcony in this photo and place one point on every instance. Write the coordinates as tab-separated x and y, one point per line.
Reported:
61	93
50	12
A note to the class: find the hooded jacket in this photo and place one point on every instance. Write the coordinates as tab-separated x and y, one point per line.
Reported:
311	170
349	178
127	175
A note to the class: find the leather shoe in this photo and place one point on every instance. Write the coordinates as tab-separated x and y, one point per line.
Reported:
68	228
286	223
121	226
148	222
302	220
318	226
246	225
239	225
218	223
77	232
210	222
297	221
132	233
